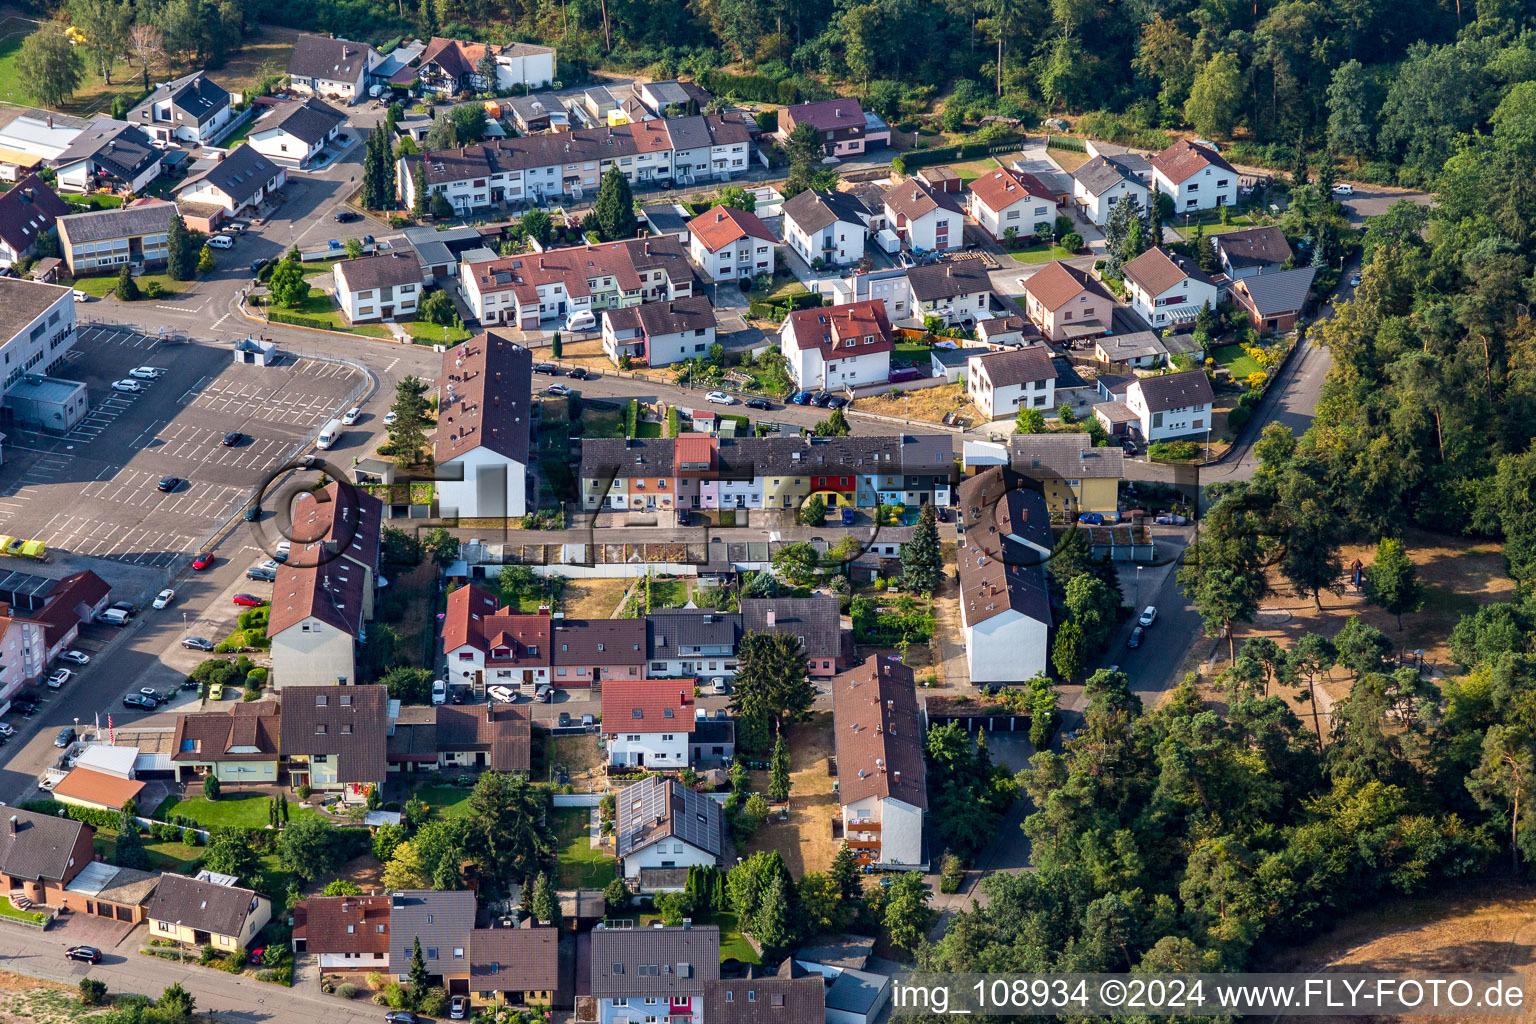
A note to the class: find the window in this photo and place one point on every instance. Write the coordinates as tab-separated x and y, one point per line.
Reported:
431	952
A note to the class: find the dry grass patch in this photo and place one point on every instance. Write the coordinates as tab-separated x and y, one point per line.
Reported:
272	45
582	757
1068	160
805	840
927	404
592	599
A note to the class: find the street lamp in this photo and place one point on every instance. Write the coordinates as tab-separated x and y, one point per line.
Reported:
1138	586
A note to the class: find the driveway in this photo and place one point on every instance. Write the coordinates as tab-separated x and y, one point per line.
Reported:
81	929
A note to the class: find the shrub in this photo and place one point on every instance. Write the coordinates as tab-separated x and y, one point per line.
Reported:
153	290
394	995
434	1003
375	980
238	959
951	874
208	954
92	992
346	991
304	791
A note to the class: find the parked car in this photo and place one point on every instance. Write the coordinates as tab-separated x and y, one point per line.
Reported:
1129	447
231	439
1134	640
346	216
279	555
390	418
154	695
719	398
400	1017
458	1007
65	737
1354	280
557	390
580	374
252	514
587	721
564	720
59	677
138	700
718	685
821	399
26	707
164	598
7	730
203	561
848	516
544	693
439	691
1148	615
758	403
505	694
350	416
548	369
1091	519
76	657
196	643
836	402
1343	188
1169	519
131	387
145	372
801	398
168	484
256	266
249	600
85	954
260	575
216	691
220	242
126	607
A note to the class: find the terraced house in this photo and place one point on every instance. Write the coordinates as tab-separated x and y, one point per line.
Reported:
527	289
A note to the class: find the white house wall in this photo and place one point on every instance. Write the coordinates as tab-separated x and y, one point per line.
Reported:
318	656
470	499
1007	648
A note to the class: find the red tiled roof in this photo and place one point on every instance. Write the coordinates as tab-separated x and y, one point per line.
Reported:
642	705
1001	188
1183	159
343	924
839	331
719	227
1056	284
474	620
878	728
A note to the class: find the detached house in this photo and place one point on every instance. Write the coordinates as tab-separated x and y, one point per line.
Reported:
1067	304
1167	289
660	333
28	210
843	346
1171	405
191	109
109	154
730	244
241	181
480	446
40	855
1195	176
653	972
813	621
1275	301
1103	183
959	291
1001	200
346	933
663	829
335	738
330	67
449	66
1252	251
373	288
1005	607
1002	383
924	217
487	645
844	128
648	721
827	226
293	134
194	912
879	728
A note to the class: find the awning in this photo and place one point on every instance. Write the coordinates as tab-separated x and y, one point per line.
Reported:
1181	314
1090	329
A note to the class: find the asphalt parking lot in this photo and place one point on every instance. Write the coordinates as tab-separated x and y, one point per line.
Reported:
94	491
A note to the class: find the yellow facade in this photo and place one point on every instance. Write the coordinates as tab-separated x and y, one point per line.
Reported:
1071	498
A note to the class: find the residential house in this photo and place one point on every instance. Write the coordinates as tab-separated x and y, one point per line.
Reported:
196	912
108	154
1001	201
1252	251
666	219
660	333
317	618
957	292
485	644
923	217
633	474
814	621
713	740
673	98
342	527
329	67
346	933
444	923
1104	182
1002	383
334	738
450	66
29	135
841	124
294	134
1167	289
648	721
653	972
41	854
539	112
702	148
23	653
525	65
1274	301
102	241
879	728
1141	350
665	825
586	652
1074	476
30	209
439	251
526	290
692	643
241	181
730	244
829	226
1196	177
514	966
1005	607
60	607
373	288
844	346
494	736
103	778
118	894
480	447
1067	303
37	330
192	109
239	744
1171	405
1006	331
794	994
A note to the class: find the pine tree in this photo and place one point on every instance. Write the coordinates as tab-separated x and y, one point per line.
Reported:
129	852
180	262
613	214
1299	164
845	873
1155	215
205	264
369	196
778	785
771	923
418	977
1207	323
389	197
717	891
127	289
546	907
920	558
282	808
554	345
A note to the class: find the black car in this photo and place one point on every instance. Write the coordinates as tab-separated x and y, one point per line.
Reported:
126	607
138	700
758	403
346	217
256	266
580	374
1135	638
261	575
367	239
232	438
169	483
400	1017
65	737
547	368
836	402
85	954
24	708
822	399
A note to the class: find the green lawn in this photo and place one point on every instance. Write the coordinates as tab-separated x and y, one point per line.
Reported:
245	810
645	428
100	287
1041	252
664	594
581	867
913	353
1239	363
319	307
435	334
601	422
163	856
732	945
7	910
449	801
1211	221
10	79
784	285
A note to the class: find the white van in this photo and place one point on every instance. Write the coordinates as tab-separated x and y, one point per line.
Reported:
112	617
328	435
221	242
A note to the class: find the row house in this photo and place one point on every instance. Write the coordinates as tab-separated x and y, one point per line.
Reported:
27	212
488	645
692	643
480	446
493	736
523	291
648	722
813	621
534	167
57	607
335	738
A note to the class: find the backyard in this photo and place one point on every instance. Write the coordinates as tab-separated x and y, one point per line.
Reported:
581	866
163	856
1238	363
927	404
242	810
732	945
805	840
445	801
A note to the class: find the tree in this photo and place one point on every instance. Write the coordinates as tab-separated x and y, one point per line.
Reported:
205	264
405	870
613	212
211	786
180	258
1094	608
835	425
736	197
806	151
1311	558
1216	96
505	832
419	979
104	24
554	345
147	46
342	887
546	907
308	848
92	992
49	65
536	224
440	546
616	894
845	874
486	69
127	289
921	561
175	1005
1499	782
907	914
1392	582
229	852
387	839
772	686
1067	654
407	435
129	852
287	283
441	208
813	511
778	784
1030	421
771	924
408	684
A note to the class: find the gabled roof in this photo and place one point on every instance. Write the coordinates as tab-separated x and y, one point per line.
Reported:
879	729
838	332
722	225
518	960
195	95
503	731
1253	247
1175	390
343	924
1099	175
814	619
647	705
28	210
814	209
1057	283
38	846
474	619
1278	293
485	387
1001	188
828	115
999	574
659	808
328	58
597	642
1064	457
345	722
576	267
336	522
1157	270
913	199
1017	366
309	121
640	962
243	732
383	271
950	279
332	593
443	921
241	175
1184	159
667	632
690	313
205	906
118	147
126	222
602	457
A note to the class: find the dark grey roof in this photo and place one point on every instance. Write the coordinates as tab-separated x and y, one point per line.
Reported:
927	453
658	808
666	632
324	57
443	921
38	846
128	222
1099	175
21	302
947	280
665	218
535	107
1253	247
855	991
673	316
667	93
1123	348
813	618
956	356
1018	366
713	731
1281	292
997	573
240	175
1177	344
310	121
814	209
604	457
205	906
28	210
388	270
1175	390
195	95
640	962
688	132
1064	456
793	996
116	146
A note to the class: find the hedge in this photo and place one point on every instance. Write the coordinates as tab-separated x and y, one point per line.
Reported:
964	151
764	89
768	121
277	316
1067	142
631	417
673	426
94	816
778	309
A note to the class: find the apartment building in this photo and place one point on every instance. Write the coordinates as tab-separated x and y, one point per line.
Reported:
529	289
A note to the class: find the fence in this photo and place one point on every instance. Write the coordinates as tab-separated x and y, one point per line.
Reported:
576	799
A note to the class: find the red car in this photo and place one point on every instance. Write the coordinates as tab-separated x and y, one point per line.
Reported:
203	561
249	600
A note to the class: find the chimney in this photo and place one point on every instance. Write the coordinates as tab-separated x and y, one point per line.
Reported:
772	617
682	698
13	824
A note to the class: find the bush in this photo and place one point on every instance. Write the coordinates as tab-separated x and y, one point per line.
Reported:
238	959
951	874
92	992
346	991
304	791
434	1003
394	995
1072	241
